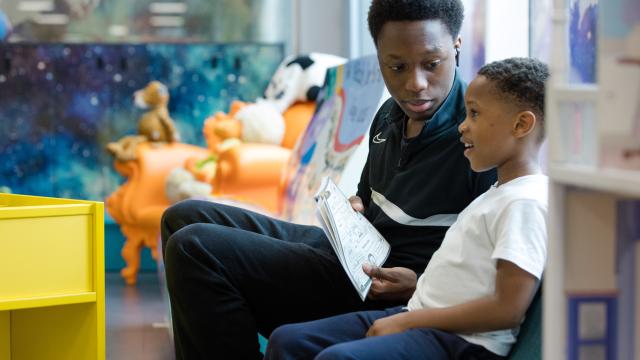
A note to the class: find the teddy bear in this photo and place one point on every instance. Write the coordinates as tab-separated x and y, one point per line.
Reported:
155	125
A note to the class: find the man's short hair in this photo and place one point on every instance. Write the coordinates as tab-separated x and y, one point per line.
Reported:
521	81
450	12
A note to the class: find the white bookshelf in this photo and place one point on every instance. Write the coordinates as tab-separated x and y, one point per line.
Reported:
583	198
625	183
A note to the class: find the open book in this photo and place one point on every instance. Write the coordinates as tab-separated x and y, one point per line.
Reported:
352	236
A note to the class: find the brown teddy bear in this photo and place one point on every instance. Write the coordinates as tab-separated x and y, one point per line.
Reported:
155	126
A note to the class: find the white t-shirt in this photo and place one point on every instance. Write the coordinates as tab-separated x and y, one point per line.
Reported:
507	222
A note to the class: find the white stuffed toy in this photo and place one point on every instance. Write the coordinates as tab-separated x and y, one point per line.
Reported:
180	185
261	123
297	78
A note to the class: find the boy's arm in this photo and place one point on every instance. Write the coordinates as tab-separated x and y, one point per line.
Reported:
505	309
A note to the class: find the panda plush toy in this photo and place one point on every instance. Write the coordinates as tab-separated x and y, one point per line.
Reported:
297	78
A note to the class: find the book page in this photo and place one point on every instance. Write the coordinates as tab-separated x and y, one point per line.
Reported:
352	236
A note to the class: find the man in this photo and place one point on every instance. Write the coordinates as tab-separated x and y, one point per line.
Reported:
232	273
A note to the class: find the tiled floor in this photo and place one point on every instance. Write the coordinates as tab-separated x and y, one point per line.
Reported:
136	320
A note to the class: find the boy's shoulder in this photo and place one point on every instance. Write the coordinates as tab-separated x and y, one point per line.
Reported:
531	191
532	188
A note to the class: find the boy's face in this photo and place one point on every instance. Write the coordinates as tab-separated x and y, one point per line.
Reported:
417	61
488	129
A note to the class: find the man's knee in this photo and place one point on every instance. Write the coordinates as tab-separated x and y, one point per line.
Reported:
172	220
178	216
181	248
178	212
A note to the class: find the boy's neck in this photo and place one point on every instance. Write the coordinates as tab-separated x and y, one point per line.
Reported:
517	168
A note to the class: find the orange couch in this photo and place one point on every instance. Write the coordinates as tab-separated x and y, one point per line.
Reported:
247	172
252	173
138	204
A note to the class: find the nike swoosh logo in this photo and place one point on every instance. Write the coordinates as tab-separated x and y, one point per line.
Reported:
377	139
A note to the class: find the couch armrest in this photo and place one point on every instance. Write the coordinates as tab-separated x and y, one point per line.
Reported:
141	199
250	165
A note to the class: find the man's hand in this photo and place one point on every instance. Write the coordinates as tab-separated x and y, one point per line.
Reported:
356	203
396	283
388	325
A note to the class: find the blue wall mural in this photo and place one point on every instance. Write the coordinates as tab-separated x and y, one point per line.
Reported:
61	104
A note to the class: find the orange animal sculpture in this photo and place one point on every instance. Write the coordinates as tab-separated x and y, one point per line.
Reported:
221	132
222	126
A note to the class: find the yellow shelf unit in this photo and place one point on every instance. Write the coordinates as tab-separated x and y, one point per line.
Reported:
51	278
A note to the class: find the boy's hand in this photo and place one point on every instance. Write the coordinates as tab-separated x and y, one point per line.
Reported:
388	325
395	283
356	203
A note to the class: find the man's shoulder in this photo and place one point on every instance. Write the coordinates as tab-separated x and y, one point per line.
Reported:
389	111
388	105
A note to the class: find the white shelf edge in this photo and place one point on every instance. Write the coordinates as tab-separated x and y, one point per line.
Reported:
618	181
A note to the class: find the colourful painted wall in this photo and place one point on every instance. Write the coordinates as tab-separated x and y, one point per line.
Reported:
61	104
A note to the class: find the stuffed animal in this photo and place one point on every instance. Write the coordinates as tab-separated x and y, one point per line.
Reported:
221	128
181	185
299	78
155	125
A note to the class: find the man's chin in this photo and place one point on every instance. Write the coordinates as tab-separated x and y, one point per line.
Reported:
426	115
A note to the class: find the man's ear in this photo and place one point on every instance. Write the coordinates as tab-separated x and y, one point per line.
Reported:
525	124
456	47
458	42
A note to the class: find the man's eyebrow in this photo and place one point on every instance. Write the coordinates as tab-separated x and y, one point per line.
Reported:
429	52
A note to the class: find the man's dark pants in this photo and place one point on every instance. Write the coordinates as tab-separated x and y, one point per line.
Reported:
232	273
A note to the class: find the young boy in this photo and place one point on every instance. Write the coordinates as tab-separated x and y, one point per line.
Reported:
474	293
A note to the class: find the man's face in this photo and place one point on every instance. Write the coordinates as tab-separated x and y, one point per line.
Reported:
488	129
417	60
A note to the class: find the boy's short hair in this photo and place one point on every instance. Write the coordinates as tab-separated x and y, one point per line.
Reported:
450	12
521	81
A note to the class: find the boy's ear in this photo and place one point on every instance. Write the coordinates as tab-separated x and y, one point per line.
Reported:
525	124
